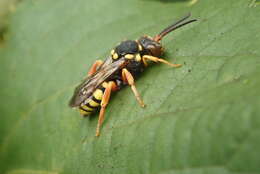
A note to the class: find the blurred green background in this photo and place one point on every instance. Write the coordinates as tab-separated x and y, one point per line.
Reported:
201	118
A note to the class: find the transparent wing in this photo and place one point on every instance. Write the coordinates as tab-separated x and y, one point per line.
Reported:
88	86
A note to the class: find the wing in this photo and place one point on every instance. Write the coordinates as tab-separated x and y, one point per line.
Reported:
88	86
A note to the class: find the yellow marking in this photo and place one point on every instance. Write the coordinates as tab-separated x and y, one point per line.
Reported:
87	108
138	57
104	84
129	56
112	52
140	47
93	103
98	94
144	61
82	112
115	56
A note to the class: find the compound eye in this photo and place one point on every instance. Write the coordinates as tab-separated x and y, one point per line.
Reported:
151	47
155	50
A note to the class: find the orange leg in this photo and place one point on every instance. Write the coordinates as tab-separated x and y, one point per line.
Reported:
128	78
94	67
105	99
145	62
156	59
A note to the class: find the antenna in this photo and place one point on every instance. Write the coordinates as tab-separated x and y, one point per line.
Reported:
173	27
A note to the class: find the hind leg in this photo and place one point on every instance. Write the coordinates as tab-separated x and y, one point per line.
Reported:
104	101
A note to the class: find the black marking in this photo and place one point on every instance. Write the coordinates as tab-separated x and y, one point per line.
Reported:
102	89
96	100
135	68
85	109
127	47
93	107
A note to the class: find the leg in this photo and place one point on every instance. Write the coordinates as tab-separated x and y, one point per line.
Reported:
145	62
128	78
94	67
105	99
156	59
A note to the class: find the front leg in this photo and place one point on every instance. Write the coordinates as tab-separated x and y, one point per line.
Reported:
94	67
156	59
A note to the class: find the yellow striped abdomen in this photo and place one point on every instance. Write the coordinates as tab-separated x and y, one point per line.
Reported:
92	103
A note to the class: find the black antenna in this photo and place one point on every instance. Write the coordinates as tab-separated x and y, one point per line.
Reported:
174	26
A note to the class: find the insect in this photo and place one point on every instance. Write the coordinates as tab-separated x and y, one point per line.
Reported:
126	61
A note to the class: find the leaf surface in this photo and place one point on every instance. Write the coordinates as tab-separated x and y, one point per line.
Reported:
200	118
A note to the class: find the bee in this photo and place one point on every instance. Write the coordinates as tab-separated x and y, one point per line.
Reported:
125	62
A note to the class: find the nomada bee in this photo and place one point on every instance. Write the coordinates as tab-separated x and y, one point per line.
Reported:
126	61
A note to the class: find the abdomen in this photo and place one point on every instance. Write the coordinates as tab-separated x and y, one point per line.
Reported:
93	102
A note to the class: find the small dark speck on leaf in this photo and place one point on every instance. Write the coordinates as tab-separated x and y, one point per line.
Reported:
3	31
117	147
100	166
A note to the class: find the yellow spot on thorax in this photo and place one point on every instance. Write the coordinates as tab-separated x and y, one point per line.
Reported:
115	56
112	52
140	47
129	56
138	57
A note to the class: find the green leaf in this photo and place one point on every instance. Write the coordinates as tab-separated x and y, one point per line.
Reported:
200	118
6	8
